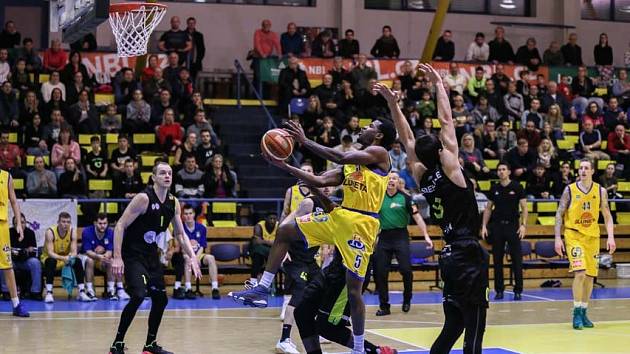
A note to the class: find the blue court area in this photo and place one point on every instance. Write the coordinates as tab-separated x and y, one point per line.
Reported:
203	303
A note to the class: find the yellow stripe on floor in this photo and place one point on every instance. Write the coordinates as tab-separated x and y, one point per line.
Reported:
561	338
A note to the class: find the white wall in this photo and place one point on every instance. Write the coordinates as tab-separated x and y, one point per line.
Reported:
228	29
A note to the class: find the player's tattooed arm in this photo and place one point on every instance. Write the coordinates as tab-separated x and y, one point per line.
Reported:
405	134
608	221
562	207
329	178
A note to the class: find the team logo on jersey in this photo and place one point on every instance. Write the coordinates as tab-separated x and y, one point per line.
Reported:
576	252
155	206
356	242
6	249
355	181
585	220
395	205
151	237
320	217
106	241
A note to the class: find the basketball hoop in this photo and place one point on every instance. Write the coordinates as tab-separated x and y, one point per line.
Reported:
132	25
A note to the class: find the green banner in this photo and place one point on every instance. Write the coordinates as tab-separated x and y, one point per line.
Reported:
269	69
556	72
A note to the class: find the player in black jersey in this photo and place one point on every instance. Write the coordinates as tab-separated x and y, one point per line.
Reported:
139	232
451	197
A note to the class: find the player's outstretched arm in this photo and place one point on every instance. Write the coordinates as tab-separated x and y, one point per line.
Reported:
562	207
447	130
184	241
326	202
136	207
405	134
372	155
329	178
611	246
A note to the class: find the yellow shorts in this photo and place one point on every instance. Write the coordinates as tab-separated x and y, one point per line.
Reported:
583	251
200	257
351	232
5	246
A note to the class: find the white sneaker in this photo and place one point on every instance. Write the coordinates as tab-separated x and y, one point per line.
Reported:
91	295
83	297
122	294
286	347
49	298
323	340
250	284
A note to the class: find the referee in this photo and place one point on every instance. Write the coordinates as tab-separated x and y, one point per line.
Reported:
505	197
394	240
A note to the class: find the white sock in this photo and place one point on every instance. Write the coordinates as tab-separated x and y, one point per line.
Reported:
15	301
90	286
253	280
120	285
266	279
358	343
577	304
214	284
49	288
110	286
81	287
178	284
585	305
188	285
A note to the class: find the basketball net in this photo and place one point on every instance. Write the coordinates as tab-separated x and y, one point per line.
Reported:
132	25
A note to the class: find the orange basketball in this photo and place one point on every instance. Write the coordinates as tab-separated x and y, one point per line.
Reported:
277	144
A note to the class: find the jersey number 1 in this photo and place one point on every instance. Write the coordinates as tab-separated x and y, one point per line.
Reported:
161	220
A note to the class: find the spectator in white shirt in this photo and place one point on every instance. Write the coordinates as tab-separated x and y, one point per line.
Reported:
454	80
5	68
47	87
478	50
398	157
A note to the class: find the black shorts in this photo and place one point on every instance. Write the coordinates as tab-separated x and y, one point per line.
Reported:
464	270
143	274
297	277
329	292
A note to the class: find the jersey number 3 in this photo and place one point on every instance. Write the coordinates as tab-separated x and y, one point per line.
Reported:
438	209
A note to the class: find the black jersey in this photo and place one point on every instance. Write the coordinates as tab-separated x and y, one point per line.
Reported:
297	251
148	231
454	208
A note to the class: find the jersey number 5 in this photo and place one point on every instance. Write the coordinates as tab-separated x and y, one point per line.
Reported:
357	261
438	209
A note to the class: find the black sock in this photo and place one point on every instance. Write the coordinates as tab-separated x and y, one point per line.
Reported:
369	347
286	332
150	338
128	313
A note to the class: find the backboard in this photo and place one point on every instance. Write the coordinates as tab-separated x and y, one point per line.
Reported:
76	18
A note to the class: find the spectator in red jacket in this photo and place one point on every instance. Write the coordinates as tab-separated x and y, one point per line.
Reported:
9	153
619	147
169	133
266	42
55	58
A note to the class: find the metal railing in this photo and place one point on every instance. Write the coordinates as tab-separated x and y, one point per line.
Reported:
239	73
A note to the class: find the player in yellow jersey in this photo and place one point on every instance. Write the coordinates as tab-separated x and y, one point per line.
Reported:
295	194
352	228
579	209
7	198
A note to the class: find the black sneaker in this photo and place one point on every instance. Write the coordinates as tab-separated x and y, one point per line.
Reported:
215	294
518	297
406	306
190	295
498	295
383	312
179	294
154	348
117	348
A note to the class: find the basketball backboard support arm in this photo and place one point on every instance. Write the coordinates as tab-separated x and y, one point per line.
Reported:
76	18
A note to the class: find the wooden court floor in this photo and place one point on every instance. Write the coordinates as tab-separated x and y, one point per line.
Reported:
539	325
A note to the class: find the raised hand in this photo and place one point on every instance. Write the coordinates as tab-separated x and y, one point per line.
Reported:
429	72
295	130
389	95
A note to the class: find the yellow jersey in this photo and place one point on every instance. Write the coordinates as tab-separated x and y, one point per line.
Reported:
268	236
363	189
4	195
296	198
61	244
583	211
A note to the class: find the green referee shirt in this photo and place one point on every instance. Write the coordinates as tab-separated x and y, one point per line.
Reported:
395	211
